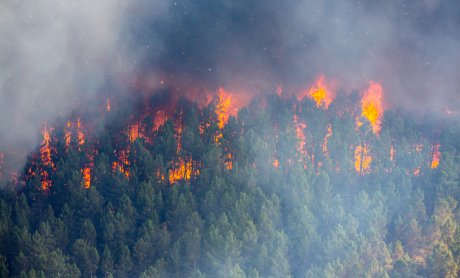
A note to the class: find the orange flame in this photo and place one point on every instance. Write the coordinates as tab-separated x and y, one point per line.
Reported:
322	93
302	140
86	177
68	135
45	150
276	163
436	156
222	108
363	159
80	134
181	171
372	106
45	180
133	132
228	162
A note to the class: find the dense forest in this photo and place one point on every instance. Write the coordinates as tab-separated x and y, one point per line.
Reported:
286	187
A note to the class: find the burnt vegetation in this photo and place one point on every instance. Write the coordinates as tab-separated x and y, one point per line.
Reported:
283	188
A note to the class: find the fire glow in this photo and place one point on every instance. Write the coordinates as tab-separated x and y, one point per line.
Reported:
372	106
363	159
436	156
321	93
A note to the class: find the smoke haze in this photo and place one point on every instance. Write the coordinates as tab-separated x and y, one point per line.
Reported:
56	56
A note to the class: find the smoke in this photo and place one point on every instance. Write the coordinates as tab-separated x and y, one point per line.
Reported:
58	55
409	46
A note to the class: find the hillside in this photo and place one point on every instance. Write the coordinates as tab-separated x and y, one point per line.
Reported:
284	187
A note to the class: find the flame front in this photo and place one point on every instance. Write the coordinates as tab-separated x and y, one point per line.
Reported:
321	93
372	106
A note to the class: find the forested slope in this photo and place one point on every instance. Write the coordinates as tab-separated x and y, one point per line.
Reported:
288	188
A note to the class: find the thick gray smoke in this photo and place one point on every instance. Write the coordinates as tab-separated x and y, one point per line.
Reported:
56	55
409	46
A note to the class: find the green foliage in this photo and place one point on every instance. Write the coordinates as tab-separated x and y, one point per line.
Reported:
310	216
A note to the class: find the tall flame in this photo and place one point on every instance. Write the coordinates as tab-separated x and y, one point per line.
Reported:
222	107
372	106
182	170
322	93
80	134
363	159
86	177
45	150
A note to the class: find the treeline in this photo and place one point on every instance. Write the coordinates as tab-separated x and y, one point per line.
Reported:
258	203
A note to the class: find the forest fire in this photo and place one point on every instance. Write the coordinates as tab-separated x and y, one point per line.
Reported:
322	93
363	159
80	134
436	156
133	132
182	170
222	107
372	106
68	134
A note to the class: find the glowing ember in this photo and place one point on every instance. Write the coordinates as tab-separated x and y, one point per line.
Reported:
160	119
302	140
436	156
107	106
321	93
68	135
372	106
329	134
228	162
121	168
122	165
392	153
276	163
363	159
45	181
86	177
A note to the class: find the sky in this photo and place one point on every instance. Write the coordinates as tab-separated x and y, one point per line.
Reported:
58	56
